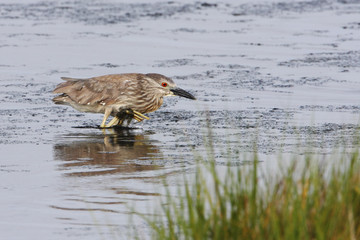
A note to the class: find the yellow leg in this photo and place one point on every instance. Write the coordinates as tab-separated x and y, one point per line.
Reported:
113	122
106	116
138	118
140	115
103	131
120	122
122	116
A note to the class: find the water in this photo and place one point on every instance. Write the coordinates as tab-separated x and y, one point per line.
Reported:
283	74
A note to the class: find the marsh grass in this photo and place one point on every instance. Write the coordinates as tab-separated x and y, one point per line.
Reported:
314	201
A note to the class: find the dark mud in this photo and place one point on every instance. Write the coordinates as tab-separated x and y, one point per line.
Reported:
270	76
342	60
94	12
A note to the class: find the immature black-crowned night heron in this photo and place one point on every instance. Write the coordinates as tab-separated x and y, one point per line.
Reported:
123	96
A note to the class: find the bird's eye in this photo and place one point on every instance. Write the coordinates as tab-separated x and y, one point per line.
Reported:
164	84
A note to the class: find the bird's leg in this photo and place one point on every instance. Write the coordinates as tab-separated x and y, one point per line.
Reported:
113	122
130	115
136	115
106	116
121	121
139	116
119	118
126	115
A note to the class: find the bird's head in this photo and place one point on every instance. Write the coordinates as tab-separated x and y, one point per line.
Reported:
167	87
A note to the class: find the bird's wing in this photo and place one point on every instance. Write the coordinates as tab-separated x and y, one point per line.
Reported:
105	90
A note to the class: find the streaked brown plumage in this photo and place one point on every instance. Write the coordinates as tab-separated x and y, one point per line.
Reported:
123	96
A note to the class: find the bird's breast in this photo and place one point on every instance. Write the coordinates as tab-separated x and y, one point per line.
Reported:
149	103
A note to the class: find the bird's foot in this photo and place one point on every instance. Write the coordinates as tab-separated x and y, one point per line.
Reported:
139	116
125	116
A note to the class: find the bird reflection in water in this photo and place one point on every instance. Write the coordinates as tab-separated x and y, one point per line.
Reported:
114	151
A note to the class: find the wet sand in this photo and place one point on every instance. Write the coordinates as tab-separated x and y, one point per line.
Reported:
283	74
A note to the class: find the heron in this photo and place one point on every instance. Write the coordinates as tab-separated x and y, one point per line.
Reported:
124	96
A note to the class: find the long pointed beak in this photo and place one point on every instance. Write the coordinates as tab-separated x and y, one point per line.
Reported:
182	93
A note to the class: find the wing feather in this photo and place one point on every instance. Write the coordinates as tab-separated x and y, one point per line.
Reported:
108	89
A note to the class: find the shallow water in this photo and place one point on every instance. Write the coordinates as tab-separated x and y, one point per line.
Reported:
283	74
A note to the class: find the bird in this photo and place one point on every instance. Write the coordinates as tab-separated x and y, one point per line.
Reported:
124	96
